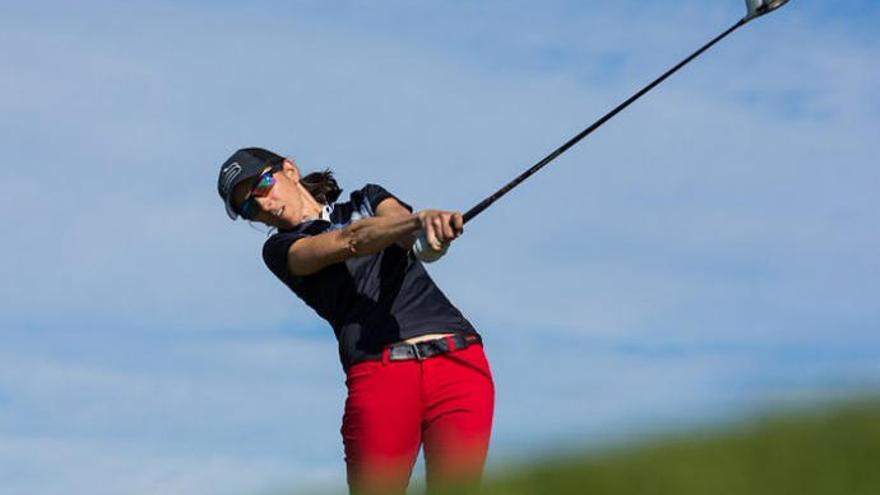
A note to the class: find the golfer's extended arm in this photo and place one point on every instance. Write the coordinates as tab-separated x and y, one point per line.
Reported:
391	207
361	238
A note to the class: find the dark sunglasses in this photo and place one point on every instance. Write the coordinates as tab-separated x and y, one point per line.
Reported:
250	208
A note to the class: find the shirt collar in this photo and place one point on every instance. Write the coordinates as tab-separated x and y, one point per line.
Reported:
314	225
325	213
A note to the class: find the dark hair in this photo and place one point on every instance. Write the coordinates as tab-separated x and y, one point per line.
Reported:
322	186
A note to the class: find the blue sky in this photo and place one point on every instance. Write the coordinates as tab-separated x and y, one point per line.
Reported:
709	252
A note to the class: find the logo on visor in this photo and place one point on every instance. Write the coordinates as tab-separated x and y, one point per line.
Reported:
229	175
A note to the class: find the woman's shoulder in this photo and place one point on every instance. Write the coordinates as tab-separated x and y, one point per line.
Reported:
371	195
363	201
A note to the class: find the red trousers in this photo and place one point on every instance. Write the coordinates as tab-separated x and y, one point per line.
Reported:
393	407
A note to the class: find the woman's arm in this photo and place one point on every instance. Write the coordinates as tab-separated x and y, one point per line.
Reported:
391	207
392	224
360	238
441	227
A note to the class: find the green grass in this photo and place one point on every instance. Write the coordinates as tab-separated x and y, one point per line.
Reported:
827	450
834	450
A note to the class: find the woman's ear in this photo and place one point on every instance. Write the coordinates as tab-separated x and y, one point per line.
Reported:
290	170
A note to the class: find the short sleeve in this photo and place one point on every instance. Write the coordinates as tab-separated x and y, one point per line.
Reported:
275	251
375	194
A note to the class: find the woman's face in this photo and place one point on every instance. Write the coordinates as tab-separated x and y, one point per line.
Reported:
282	206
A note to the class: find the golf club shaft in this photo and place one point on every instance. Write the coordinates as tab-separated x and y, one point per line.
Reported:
476	210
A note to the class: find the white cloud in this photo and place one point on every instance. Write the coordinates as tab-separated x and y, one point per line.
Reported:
51	466
201	416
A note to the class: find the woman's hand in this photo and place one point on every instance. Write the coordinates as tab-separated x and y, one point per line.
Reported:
441	227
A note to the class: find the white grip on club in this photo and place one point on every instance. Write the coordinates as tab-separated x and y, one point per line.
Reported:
423	250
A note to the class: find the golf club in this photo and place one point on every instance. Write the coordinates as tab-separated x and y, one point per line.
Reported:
756	8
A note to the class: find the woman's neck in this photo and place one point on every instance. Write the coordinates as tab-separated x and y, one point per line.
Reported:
311	207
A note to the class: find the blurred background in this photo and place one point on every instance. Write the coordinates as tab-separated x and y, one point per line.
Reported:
707	255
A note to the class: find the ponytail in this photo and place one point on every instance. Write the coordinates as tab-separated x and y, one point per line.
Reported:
322	186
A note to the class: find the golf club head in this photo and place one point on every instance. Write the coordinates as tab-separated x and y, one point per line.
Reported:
757	8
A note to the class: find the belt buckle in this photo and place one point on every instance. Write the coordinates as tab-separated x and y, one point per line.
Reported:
416	351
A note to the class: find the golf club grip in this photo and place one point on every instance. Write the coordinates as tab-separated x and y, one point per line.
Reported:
482	205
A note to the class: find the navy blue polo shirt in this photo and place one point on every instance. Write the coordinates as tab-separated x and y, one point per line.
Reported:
370	301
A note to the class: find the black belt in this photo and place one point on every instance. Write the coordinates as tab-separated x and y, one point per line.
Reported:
429	348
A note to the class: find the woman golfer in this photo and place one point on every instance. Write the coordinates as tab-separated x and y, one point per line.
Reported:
415	369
